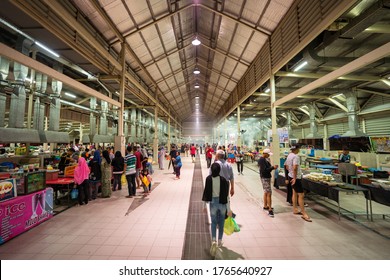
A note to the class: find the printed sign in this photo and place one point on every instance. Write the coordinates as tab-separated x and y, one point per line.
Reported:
24	212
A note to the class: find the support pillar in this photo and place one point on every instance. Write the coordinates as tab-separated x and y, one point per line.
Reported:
275	147
238	126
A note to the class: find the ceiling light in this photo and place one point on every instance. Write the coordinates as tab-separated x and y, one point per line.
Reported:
267	90
196	85
196	41
337	95
46	49
70	95
197	97
300	66
196	71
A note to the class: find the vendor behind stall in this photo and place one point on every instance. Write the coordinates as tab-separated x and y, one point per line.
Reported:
345	156
66	159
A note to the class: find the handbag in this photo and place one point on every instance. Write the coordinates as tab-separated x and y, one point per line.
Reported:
74	193
145	181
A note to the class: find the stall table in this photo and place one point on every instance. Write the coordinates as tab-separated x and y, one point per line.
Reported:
61	184
332	193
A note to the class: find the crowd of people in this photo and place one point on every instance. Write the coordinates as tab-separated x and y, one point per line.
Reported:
102	169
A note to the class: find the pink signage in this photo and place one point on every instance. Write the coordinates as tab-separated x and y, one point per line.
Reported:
24	212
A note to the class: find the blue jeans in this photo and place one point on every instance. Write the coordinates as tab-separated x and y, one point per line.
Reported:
217	213
131	184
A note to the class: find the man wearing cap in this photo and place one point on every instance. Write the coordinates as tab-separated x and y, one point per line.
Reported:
265	176
293	164
226	169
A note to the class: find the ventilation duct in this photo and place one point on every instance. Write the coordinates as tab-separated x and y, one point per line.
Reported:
126	124
19	135
289	126
313	125
18	97
39	115
132	125
55	104
353	125
367	18
103	117
4	70
92	121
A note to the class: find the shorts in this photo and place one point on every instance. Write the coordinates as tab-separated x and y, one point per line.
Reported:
266	182
298	185
192	155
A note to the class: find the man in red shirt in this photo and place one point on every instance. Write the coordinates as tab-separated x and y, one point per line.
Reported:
209	155
138	165
193	152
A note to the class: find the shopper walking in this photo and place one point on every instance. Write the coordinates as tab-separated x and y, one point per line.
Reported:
226	169
161	158
130	169
239	156
209	155
295	175
81	176
118	167
216	192
193	152
265	169
106	174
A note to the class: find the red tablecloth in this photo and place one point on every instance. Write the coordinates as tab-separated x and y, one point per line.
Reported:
60	181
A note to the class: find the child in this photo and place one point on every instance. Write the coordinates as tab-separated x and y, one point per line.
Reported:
146	180
177	165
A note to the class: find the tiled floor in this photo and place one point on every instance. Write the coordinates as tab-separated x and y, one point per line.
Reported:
156	229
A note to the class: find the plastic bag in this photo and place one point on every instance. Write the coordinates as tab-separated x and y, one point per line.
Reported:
230	226
74	193
123	179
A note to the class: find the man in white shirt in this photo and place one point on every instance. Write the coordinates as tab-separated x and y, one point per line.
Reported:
293	164
239	155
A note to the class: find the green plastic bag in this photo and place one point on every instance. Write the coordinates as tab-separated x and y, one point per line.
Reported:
236	227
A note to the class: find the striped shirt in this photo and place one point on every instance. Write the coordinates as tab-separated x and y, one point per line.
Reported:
130	161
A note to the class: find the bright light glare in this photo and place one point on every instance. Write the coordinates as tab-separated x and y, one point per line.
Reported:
47	49
196	42
300	66
70	95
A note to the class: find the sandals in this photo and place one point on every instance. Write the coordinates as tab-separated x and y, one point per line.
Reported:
307	219
297	213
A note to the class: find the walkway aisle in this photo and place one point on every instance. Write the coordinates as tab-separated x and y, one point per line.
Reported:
102	230
287	236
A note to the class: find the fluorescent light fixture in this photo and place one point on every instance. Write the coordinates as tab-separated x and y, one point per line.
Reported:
47	49
28	79
337	95
196	86
70	95
254	115
14	28
196	41
197	97
267	90
300	66
196	71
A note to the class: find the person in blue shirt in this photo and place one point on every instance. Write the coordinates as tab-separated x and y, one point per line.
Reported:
177	165
345	156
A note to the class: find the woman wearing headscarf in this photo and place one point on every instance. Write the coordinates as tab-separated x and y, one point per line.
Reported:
106	174
96	174
81	175
118	165
161	158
